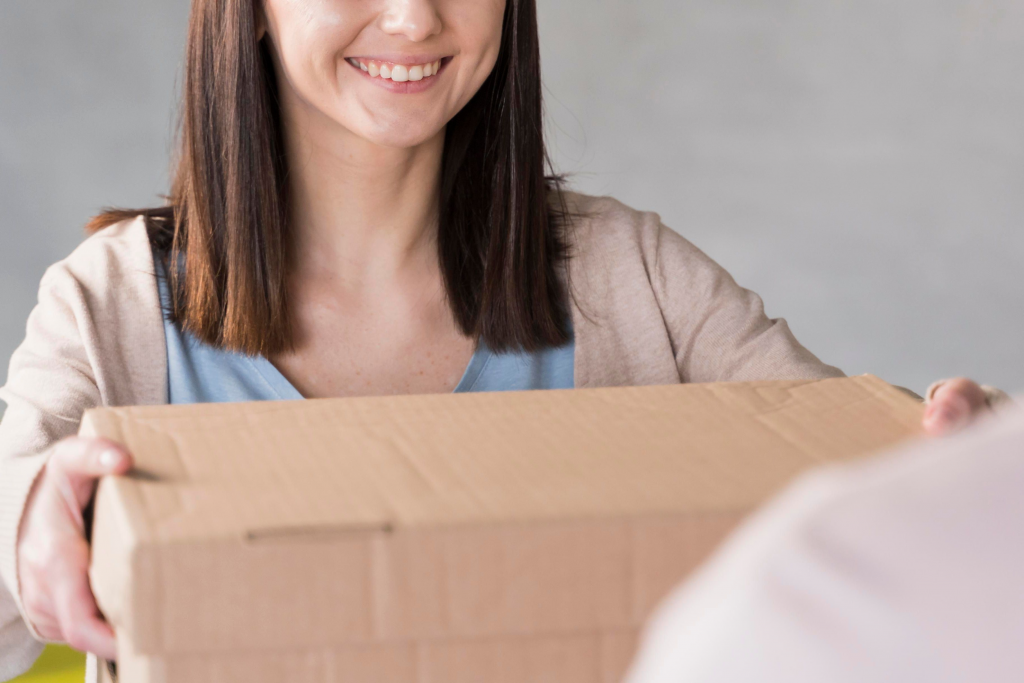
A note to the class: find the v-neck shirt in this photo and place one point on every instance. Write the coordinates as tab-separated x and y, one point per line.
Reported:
201	373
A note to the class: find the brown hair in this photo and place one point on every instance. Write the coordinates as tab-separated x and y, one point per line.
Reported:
501	239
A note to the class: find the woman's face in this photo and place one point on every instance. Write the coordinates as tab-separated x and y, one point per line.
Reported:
394	72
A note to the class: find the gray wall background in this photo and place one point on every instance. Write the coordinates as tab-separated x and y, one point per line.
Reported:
859	163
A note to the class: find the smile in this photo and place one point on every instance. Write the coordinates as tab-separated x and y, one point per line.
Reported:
399	73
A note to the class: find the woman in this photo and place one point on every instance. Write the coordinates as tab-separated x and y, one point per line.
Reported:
359	207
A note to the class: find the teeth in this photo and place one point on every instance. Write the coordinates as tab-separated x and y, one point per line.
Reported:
398	73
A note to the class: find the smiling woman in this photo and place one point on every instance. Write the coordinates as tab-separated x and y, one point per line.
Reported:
360	206
289	91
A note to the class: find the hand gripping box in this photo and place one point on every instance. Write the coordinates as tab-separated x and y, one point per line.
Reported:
472	538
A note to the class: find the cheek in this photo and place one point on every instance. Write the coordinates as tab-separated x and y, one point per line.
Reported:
478	25
310	38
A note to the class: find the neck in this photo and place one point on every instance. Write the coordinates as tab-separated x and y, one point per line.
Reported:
360	212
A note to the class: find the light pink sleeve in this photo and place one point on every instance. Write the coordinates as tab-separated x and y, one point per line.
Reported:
719	330
50	384
94	338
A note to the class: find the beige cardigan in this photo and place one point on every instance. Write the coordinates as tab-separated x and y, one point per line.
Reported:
648	308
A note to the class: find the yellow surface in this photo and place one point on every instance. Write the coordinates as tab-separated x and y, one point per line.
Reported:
59	664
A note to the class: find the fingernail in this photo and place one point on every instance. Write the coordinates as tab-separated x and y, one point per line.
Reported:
109	459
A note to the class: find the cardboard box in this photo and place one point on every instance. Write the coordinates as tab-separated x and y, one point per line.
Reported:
464	538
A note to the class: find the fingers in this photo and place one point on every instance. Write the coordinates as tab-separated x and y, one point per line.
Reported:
57	597
90	458
52	551
38	607
81	624
953	405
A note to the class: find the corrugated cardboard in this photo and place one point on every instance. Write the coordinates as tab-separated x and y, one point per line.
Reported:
449	538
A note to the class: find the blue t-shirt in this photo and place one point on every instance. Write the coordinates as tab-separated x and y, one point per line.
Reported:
200	373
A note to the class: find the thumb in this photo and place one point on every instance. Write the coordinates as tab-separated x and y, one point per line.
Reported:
77	463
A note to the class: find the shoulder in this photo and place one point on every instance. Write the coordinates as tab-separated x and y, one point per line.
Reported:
605	223
883	513
109	263
105	289
121	247
100	305
603	230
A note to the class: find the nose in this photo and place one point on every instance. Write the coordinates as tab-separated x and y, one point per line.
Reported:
417	20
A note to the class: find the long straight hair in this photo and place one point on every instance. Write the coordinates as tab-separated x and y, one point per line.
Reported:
501	234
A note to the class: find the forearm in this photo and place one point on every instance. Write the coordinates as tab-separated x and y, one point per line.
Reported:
719	330
20	645
18	648
17	476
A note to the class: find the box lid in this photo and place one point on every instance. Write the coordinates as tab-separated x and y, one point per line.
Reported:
383	519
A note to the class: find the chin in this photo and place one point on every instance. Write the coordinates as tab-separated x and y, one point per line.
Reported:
400	142
400	134
401	139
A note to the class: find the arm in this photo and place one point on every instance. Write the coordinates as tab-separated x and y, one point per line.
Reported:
95	338
50	384
719	330
720	333
18	649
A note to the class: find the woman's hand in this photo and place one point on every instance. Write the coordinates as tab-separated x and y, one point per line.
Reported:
53	554
954	404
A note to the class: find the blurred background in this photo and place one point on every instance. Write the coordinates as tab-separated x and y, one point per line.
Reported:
860	164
